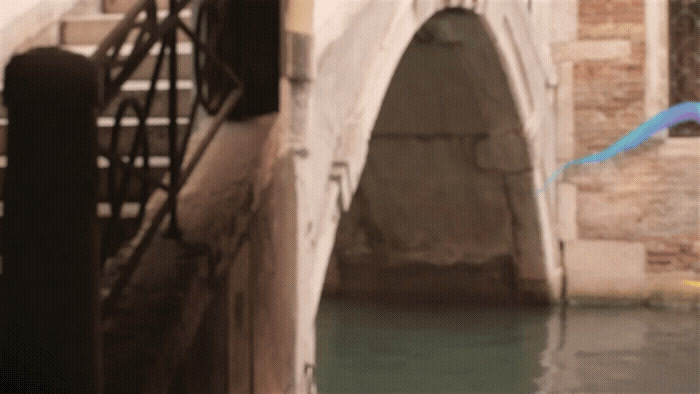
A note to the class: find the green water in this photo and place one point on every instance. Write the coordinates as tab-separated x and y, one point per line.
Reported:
365	347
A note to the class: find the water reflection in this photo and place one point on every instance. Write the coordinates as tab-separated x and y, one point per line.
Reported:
383	348
609	349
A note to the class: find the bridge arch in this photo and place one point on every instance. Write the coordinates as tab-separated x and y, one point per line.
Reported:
447	185
338	65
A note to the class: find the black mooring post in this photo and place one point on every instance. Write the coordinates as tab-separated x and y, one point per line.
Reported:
49	305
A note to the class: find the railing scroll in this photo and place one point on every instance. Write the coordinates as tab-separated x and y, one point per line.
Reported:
216	91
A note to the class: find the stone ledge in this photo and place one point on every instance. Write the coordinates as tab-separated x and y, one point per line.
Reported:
593	280
680	147
605	269
504	152
669	290
590	50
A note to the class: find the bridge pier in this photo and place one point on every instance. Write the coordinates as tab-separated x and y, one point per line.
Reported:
283	334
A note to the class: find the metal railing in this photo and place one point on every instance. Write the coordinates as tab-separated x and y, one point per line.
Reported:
50	285
216	90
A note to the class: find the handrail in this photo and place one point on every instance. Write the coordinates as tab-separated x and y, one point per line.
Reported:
118	274
143	25
107	53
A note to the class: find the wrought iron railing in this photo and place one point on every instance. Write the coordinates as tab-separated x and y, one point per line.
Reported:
216	91
684	58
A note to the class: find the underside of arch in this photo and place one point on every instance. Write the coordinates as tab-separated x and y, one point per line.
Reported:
445	208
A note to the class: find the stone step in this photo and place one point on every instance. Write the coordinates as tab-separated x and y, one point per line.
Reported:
159	166
129	210
157	131
145	69
91	29
139	89
121	6
157	134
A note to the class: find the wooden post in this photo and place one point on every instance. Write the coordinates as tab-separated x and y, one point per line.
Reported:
49	307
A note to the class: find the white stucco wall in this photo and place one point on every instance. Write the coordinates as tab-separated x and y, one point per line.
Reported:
20	20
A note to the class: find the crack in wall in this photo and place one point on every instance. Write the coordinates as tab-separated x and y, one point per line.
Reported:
514	224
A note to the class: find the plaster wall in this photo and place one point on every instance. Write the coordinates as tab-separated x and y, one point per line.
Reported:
33	22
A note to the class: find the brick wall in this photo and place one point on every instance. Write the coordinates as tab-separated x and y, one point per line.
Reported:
649	195
609	93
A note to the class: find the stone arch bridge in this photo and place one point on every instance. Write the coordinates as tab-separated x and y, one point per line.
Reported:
431	101
395	153
403	162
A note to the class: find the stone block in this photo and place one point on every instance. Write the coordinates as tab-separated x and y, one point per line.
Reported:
430	202
680	147
564	22
566	211
565	117
122	6
93	28
590	50
602	269
503	151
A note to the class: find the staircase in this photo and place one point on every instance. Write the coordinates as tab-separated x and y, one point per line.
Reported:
82	34
151	316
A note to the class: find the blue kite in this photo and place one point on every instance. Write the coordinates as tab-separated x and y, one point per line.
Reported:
679	113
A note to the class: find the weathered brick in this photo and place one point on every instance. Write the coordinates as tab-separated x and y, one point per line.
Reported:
643	197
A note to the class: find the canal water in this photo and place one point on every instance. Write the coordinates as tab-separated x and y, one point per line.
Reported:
372	347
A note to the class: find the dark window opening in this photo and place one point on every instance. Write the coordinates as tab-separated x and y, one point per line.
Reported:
684	57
